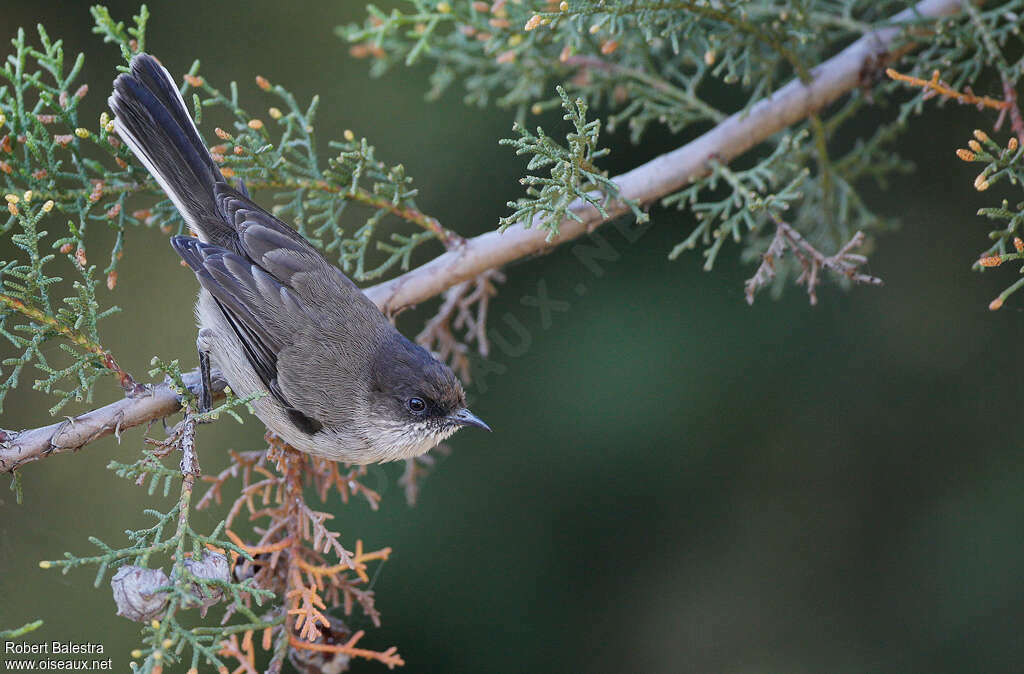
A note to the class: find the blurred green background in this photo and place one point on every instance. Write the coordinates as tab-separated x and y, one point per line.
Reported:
676	481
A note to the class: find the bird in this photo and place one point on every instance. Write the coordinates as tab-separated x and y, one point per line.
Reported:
337	379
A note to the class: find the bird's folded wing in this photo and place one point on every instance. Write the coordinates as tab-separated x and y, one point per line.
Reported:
288	257
262	312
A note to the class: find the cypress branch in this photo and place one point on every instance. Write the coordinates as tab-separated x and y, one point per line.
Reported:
645	184
793	202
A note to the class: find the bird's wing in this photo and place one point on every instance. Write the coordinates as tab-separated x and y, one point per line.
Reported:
262	312
288	257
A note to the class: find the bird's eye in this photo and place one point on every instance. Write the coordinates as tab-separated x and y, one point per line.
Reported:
417	405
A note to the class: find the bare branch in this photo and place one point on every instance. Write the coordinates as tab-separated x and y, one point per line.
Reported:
417	469
662	175
464	308
844	263
473	257
20	447
766	271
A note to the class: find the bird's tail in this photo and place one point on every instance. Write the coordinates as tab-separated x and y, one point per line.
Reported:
151	117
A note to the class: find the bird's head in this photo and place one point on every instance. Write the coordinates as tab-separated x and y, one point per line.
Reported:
417	400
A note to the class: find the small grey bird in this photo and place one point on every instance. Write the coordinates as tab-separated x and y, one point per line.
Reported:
274	315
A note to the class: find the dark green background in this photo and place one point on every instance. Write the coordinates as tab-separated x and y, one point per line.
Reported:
676	481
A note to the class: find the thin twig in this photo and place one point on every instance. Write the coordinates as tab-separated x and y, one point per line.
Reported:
82	341
843	263
936	87
464	308
586	63
1013	110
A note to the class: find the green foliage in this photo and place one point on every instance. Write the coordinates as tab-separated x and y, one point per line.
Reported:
983	44
748	202
686	64
19	632
175	379
650	59
31	317
573	173
1000	163
679	64
966	48
131	39
167	632
50	165
17	487
47	149
283	156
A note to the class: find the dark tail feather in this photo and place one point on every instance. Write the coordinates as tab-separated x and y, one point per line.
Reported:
151	117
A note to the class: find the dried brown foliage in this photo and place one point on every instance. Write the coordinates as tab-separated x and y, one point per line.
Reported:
297	556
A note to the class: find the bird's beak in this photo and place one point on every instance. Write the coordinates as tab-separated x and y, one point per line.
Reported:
466	418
